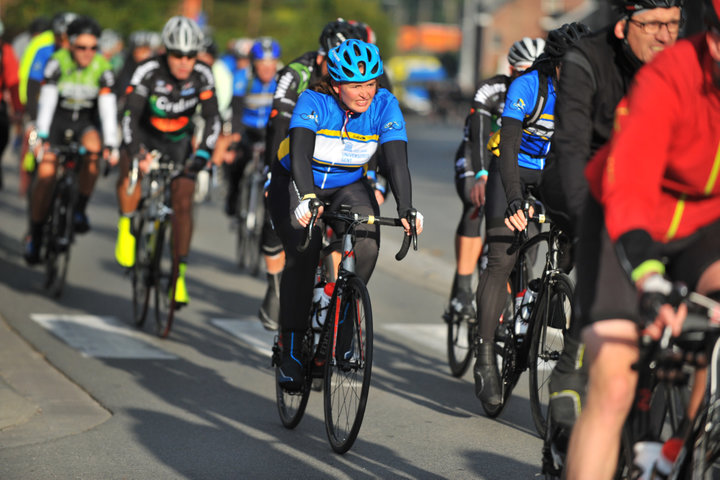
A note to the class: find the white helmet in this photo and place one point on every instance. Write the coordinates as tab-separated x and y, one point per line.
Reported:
181	34
524	52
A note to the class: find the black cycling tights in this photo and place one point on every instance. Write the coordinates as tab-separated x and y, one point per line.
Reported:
297	278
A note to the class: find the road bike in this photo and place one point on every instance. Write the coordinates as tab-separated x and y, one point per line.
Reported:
532	337
58	233
155	270
251	211
338	353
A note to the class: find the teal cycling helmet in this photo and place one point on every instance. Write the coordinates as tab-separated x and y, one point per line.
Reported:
354	61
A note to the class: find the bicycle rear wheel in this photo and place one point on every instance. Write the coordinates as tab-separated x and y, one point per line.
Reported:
550	322
291	405
58	238
166	273
349	363
141	271
459	343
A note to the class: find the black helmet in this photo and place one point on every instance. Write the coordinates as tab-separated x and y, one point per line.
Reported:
82	25
337	32
560	39
61	21
628	7
712	14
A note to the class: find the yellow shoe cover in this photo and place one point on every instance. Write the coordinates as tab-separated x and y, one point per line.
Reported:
125	246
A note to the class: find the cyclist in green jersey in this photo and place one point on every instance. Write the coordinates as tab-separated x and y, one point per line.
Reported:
77	90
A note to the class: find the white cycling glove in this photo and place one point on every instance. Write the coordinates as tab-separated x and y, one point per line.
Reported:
302	209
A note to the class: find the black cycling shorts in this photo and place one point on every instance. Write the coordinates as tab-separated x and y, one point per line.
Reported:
604	290
63	122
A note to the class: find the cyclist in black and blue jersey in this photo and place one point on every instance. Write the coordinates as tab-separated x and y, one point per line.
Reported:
472	161
336	127
524	143
251	104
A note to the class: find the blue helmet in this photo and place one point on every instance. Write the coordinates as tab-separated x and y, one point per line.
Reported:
344	61
265	48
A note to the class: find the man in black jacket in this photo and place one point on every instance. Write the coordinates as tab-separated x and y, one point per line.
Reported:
597	72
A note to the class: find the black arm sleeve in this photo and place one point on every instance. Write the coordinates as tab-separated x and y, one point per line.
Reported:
237	104
302	146
572	139
510	137
394	163
480	126
33	93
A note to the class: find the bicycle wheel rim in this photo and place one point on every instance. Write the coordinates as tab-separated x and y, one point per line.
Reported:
348	364
459	345
291	405
140	272
166	272
58	246
546	344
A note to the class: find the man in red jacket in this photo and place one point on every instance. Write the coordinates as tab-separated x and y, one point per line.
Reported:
8	83
658	219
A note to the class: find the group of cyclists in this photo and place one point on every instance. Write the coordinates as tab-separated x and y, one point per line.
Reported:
614	129
625	155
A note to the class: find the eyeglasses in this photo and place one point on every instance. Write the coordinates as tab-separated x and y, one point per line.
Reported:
651	28
86	47
178	54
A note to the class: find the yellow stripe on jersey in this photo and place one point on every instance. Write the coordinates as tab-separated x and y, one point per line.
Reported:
351	135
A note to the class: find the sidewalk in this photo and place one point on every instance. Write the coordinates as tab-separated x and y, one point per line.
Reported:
37	402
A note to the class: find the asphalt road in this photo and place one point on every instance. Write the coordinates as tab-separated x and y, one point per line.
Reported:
83	394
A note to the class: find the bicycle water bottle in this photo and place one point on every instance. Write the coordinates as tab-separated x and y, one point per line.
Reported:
668	454
645	458
323	303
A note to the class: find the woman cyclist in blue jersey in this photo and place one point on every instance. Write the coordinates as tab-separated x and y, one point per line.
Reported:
335	128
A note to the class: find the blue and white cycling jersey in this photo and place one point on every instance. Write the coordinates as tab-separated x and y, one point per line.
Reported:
344	142
257	99
519	104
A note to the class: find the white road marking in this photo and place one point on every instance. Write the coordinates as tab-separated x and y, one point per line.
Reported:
249	330
100	337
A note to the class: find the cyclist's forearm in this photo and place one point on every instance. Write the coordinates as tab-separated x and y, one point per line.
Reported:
510	138
107	108
276	132
33	92
213	125
480	128
302	145
236	105
131	122
48	103
395	165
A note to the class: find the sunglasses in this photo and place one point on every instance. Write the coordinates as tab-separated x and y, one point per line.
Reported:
83	48
179	54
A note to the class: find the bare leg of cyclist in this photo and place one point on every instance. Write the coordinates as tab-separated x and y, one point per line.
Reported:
611	349
182	190
467	254
40	199
87	178
709	284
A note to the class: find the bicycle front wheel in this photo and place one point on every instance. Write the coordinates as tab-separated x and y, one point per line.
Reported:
251	214
550	322
58	239
141	270
459	343
291	405
166	273
348	364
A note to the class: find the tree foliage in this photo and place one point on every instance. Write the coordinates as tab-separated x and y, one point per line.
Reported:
296	24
